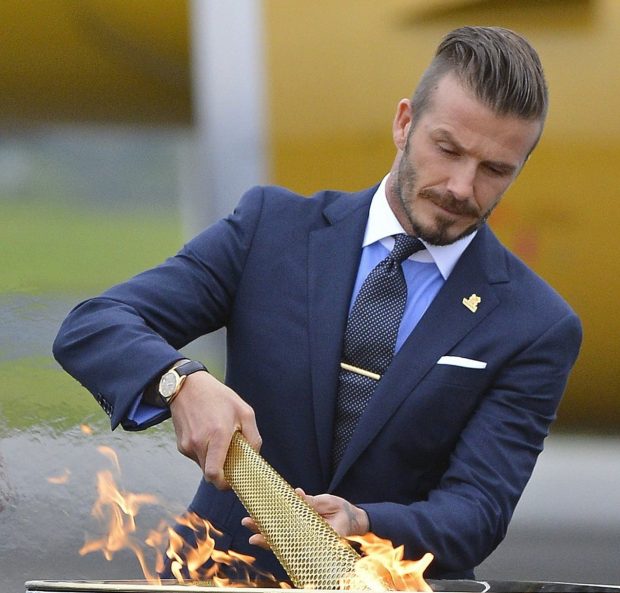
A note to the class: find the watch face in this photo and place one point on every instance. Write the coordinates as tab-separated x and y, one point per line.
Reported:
168	384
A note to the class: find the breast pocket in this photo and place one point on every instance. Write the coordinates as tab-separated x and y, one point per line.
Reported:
464	377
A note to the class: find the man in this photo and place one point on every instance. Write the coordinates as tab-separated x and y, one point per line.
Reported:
438	453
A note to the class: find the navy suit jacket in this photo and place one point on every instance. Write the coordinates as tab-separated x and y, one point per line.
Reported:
441	454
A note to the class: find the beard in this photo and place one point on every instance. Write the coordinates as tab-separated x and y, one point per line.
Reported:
407	194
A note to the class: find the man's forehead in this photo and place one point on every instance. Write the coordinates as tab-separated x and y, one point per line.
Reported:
455	113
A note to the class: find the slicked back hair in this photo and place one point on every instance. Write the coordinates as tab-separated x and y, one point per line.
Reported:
497	65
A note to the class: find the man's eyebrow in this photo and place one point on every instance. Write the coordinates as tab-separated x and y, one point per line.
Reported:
445	135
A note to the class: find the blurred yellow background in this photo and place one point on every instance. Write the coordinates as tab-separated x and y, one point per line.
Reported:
335	71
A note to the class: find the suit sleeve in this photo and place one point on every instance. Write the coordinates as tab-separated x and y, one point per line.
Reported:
117	343
466	516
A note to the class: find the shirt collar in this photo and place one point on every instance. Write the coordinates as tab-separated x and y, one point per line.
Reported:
382	225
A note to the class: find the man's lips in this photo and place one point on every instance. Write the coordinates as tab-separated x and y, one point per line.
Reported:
446	209
449	204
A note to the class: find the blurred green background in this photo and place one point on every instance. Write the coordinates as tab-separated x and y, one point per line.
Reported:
66	237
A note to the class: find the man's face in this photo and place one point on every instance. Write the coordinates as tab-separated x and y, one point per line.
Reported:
454	162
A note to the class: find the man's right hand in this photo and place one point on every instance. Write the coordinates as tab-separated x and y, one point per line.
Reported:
206	414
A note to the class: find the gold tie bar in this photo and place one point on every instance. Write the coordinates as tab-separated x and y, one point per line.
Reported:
364	372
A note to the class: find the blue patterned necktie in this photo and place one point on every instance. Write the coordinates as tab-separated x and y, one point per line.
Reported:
370	338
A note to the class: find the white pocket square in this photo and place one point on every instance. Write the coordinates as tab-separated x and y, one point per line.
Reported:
459	361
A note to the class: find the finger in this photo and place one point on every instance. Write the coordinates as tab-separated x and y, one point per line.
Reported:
193	455
321	502
250	431
307	498
197	455
250	524
217	449
258	540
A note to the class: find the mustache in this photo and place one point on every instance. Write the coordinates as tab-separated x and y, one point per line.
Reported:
447	201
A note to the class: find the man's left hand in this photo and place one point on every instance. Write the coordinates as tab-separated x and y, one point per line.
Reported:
345	518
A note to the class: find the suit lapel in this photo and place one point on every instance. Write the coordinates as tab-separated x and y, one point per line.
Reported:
445	323
333	259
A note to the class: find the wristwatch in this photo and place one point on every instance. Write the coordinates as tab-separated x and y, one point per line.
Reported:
171	381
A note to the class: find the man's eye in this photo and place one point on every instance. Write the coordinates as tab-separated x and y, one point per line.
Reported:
447	150
498	172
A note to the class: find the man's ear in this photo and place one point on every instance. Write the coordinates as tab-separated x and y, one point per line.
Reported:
402	123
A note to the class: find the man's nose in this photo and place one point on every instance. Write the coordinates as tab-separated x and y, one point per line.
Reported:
462	180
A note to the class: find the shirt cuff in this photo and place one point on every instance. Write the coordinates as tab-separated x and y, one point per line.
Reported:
142	415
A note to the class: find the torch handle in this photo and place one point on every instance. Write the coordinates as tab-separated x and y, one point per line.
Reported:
309	549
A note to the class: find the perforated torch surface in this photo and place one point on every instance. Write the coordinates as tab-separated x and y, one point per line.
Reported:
308	548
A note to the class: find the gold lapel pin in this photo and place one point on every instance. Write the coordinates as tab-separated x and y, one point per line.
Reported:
472	302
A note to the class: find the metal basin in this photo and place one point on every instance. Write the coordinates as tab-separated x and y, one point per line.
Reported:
448	586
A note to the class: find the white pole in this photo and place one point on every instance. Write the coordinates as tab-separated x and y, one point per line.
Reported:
230	152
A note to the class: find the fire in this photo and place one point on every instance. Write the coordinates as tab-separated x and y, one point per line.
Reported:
120	510
201	562
190	563
62	478
111	455
387	565
117	510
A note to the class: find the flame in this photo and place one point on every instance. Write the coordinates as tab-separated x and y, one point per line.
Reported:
120	510
382	562
86	429
201	562
61	478
117	511
111	455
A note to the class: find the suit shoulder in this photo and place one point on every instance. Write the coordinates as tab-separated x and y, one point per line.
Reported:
536	290
512	275
280	199
278	193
